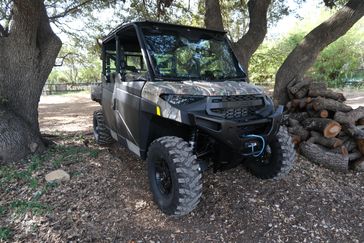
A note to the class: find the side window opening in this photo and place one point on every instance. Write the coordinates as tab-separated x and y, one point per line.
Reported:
134	61
110	66
124	50
133	67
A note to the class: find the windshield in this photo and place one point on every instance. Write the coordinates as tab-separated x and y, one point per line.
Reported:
193	55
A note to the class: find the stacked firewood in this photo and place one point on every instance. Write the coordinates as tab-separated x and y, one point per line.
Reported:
323	127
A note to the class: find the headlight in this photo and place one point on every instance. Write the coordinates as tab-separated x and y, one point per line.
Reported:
181	99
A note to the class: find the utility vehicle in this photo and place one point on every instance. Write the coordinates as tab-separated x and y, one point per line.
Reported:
177	97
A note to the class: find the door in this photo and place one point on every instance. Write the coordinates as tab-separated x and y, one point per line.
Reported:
127	109
108	79
131	75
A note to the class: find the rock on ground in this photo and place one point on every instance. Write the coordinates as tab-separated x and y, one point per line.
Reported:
57	176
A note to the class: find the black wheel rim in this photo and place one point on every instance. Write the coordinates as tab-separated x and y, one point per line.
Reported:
163	177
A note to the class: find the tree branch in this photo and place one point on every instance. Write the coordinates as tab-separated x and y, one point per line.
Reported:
63	58
69	9
249	43
213	18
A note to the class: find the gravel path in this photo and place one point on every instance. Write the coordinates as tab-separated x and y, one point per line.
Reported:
108	199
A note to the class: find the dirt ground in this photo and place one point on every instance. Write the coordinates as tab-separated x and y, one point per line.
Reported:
354	98
108	199
66	113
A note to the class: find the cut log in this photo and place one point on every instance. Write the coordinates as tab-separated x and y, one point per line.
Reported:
293	123
354	131
298	85
296	140
304	101
315	134
289	106
328	127
351	116
360	145
317	138
360	121
340	150
289	86
355	155
329	104
313	113
318	86
298	103
299	116
318	154
350	144
327	94
299	131
301	93
296	129
324	114
343	136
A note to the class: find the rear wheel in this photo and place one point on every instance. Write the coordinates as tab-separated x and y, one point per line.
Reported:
278	158
174	175
101	132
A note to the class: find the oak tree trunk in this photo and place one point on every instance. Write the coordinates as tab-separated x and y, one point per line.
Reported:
213	17
27	57
245	47
305	54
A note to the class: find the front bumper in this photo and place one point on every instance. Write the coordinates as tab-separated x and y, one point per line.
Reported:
236	134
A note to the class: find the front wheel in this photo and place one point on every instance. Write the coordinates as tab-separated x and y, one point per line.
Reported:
174	175
278	158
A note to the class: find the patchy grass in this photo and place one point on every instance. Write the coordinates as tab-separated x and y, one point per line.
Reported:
24	182
10	174
67	155
34	206
5	233
2	210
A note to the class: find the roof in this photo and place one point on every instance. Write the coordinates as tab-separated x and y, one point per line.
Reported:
154	23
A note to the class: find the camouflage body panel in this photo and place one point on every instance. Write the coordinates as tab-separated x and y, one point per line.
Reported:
152	91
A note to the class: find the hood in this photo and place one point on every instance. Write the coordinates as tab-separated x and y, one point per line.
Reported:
152	90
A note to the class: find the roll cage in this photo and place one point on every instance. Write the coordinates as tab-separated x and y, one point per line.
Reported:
115	56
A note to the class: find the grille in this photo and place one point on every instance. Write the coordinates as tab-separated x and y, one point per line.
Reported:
238	107
237	98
